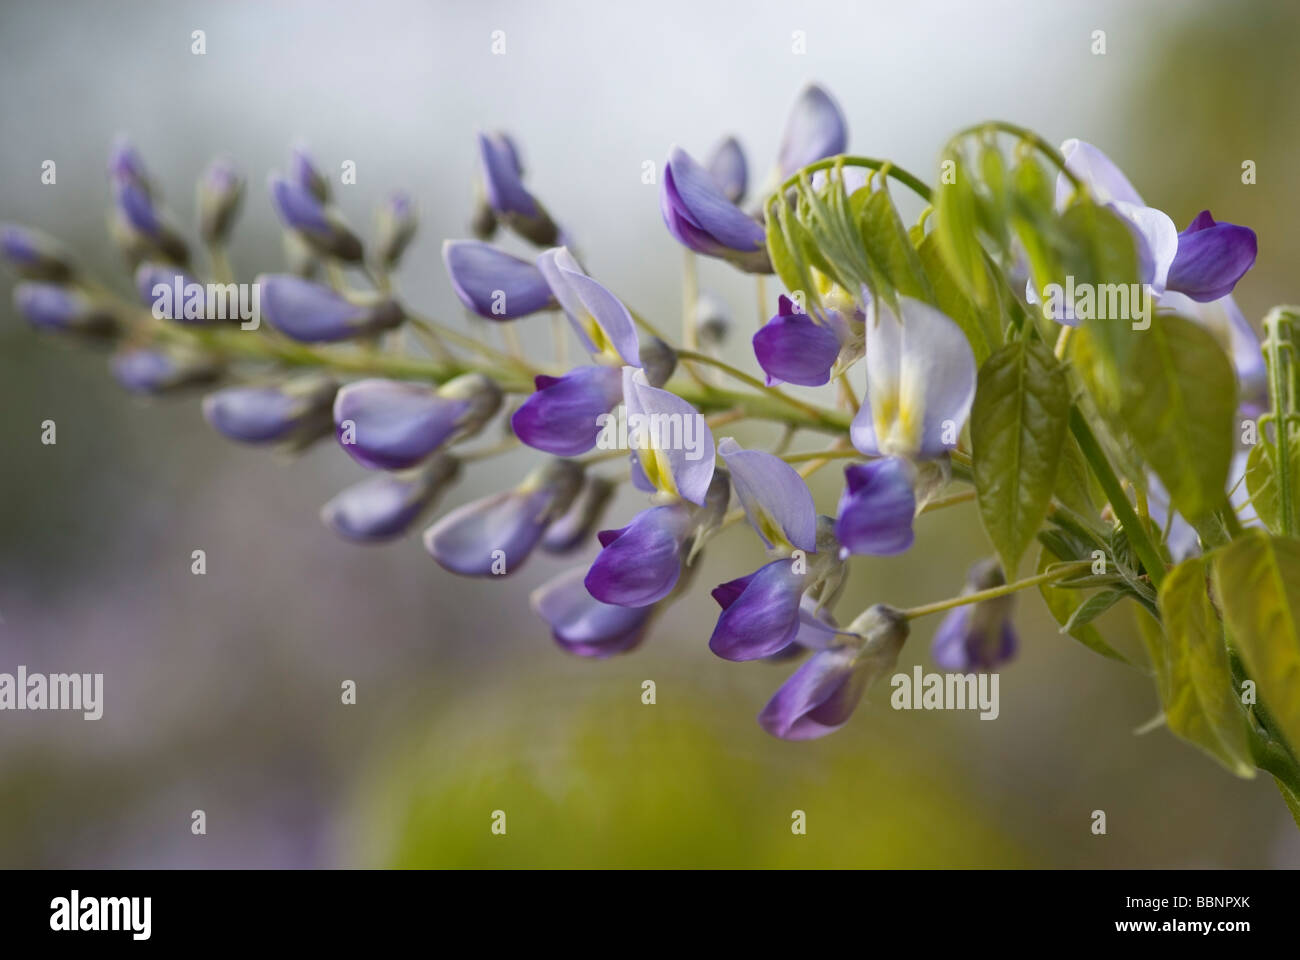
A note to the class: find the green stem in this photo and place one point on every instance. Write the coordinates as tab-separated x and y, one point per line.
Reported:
1277	349
1028	136
911	181
1056	573
1133	528
745	378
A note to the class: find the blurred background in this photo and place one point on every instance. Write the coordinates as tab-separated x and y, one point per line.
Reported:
222	692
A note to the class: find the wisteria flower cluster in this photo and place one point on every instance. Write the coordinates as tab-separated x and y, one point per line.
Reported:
1040	343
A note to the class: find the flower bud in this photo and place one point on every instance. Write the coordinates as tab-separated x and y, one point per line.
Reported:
297	412
395	230
160	369
493	283
712	321
495	535
303	172
220	192
658	360
978	636
34	255
50	307
583	625
322	227
509	199
575	528
384	506
390	425
311	313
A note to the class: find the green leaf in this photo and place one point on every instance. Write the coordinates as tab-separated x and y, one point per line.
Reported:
1176	401
1292	800
1193	675
1257	585
1072	487
888	244
957	227
1063	603
1018	425
1262	483
1092	608
953	300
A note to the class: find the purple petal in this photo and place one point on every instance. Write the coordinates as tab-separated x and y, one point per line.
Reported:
776	499
641	564
583	625
381	507
794	348
600	320
877	507
1104	180
966	642
500	530
563	416
818	698
253	414
493	283
699	215
150	277
764	617
679	446
920	382
137	207
50	307
394	425
299	208
729	169
312	313
814	130
499	165
1211	258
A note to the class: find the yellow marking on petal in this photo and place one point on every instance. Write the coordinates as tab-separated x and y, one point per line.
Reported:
769	528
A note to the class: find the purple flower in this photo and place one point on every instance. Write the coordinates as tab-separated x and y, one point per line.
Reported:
563	416
673	445
640	563
390	425
171	294
312	313
139	224
822	694
776	499
792	347
583	625
729	170
304	173
297	410
575	528
150	370
395	229
384	506
760	612
920	382
1211	258
814	131
701	218
604	326
220	191
877	507
323	228
34	255
978	636
508	198
50	307
493	283
125	163
495	535
1155	233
